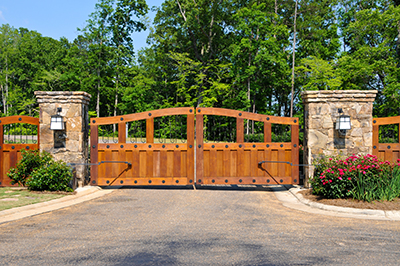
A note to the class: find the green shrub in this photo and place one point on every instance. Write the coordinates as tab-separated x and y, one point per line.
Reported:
38	171
360	177
30	161
55	177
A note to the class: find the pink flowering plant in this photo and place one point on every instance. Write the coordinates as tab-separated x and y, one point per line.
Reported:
362	177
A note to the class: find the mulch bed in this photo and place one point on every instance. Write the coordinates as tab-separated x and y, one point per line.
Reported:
375	205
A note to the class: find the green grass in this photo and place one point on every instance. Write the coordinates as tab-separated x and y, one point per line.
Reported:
11	197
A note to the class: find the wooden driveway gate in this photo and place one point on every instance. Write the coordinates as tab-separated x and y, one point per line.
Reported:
141	160
239	162
153	157
16	133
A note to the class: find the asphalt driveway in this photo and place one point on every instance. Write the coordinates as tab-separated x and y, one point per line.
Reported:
195	227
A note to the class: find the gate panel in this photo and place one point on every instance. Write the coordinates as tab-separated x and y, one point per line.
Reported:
143	161
16	133
386	151
239	162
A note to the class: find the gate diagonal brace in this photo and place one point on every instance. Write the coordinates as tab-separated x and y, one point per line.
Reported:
73	164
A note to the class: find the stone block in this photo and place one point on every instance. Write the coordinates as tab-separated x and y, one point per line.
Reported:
356	132
316	139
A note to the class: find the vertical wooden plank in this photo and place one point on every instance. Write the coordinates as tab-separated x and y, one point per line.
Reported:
274	166
247	163
156	164
114	167
260	158
206	163
107	166
94	141
177	163
190	148
149	163
6	164
233	166
170	163
122	166
227	163
295	153
101	172
129	158
199	146
122	132
142	163
375	139
213	163
389	155
150	130
288	167
267	132
184	170
239	130
163	163
219	164
281	166
267	166
240	162
135	163
253	163
1	155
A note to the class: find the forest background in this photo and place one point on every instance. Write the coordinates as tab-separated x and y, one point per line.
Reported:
249	55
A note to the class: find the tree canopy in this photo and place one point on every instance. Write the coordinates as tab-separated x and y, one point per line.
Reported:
218	53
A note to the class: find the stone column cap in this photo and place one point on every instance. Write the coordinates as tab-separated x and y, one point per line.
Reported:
63	97
339	96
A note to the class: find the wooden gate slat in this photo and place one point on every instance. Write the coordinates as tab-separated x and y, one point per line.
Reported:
206	163
177	164
142	163
170	163
2	168
254	163
163	163
281	166
149	163
227	163
156	164
213	163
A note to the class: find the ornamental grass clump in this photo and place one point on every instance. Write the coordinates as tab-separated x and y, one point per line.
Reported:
361	177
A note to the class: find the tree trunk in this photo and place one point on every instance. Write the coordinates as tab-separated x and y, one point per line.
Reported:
293	59
248	98
6	88
276	14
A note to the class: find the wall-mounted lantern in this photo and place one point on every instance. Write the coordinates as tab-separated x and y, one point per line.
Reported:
57	121
343	123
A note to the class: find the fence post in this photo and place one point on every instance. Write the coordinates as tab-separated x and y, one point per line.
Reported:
71	144
320	115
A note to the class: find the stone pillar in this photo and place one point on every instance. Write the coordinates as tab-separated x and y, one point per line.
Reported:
70	145
320	115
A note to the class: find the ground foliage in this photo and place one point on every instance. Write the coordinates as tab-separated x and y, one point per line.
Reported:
361	177
226	53
40	172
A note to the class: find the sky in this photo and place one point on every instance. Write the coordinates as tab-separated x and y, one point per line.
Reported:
58	18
